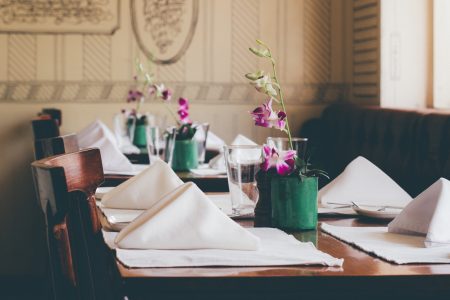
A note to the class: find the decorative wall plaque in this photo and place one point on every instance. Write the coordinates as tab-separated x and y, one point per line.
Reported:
164	28
59	16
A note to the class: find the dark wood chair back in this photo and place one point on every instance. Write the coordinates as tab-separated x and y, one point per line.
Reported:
45	128
52	113
55	145
82	265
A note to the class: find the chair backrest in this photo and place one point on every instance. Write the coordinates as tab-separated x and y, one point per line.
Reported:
82	265
45	128
53	113
55	145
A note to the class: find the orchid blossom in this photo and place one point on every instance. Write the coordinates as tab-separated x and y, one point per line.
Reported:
268	83
265	116
183	111
283	161
144	86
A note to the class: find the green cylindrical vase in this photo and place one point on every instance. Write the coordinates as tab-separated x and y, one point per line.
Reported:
294	202
185	155
140	137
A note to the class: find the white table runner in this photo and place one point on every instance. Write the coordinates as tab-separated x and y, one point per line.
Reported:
396	248
277	249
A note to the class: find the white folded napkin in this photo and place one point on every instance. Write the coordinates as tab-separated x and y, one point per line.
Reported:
213	142
123	140
145	189
427	215
363	183
98	135
242	140
218	162
185	219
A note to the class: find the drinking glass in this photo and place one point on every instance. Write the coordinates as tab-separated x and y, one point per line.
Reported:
153	143
243	162
282	144
170	137
201	136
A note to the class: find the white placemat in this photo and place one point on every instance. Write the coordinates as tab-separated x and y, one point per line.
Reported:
396	248
276	249
206	170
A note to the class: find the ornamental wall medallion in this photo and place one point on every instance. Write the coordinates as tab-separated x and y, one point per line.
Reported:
59	16
164	28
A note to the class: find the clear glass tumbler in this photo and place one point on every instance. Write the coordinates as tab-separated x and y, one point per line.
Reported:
170	137
201	136
243	162
282	144
153	142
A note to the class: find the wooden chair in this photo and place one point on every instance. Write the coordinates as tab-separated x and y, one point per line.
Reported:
53	113
82	265
55	145
45	128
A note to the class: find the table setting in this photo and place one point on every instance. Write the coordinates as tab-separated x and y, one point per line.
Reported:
178	225
156	220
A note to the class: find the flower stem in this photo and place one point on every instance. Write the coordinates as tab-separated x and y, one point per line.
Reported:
171	113
282	101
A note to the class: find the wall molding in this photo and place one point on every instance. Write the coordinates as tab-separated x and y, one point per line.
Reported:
198	92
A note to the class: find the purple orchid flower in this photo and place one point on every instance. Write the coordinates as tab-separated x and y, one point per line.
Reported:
265	116
183	103
167	95
283	161
134	95
183	111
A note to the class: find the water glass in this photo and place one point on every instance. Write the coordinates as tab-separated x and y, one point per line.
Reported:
282	144
170	137
201	136
153	142
243	162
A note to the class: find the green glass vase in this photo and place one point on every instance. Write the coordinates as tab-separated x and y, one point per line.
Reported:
294	202
140	138
185	155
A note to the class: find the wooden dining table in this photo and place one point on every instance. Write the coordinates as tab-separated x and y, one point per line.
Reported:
362	276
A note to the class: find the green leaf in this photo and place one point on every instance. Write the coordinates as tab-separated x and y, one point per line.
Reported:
254	76
259	42
260	52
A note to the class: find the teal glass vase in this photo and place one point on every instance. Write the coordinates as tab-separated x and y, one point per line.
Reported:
294	202
140	136
185	155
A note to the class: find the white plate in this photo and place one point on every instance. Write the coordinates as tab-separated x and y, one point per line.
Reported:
386	213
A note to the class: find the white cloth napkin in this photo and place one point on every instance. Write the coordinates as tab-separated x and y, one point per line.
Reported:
213	142
363	183
98	135
117	218
242	140
396	248
185	219
427	215
276	249
123	140
144	190
218	162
